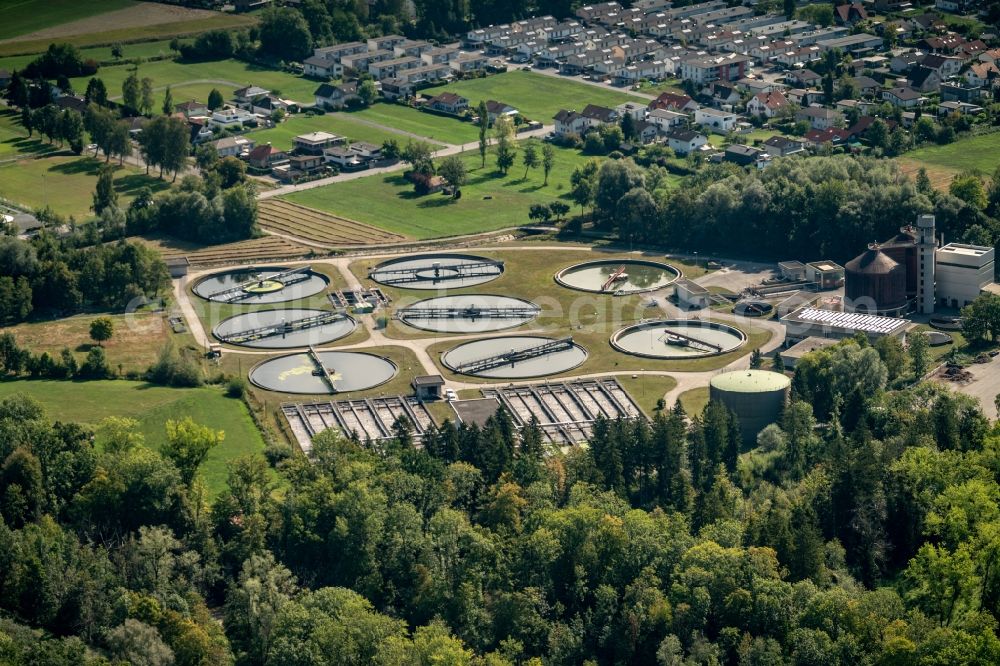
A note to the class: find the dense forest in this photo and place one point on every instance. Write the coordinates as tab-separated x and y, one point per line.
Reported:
864	528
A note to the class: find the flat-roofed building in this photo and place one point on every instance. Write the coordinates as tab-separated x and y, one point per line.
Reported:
793	354
813	322
961	273
691	294
826	274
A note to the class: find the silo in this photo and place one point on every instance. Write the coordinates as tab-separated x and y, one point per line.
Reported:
756	396
875	282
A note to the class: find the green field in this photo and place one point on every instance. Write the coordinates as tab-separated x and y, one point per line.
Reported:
14	139
197	79
337	123
66	183
152	406
388	201
154	49
981	153
21	17
407	119
537	96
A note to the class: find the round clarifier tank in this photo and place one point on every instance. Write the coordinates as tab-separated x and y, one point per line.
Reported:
299	373
284	329
618	277
678	339
466	358
756	396
437	271
254	286
468	313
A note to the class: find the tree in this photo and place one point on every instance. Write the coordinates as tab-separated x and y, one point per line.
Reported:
529	158
101	329
890	350
756	359
981	318
71	129
548	161
452	169
215	100
918	347
790	6
120	141
628	127
131	92
117	51
584	183
168	102
253	605
367	92
147	101
284	33
140	644
559	209
97	92
188	445
969	188
540	212
105	195
484	128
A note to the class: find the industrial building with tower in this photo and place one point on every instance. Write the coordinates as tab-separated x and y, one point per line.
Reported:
909	273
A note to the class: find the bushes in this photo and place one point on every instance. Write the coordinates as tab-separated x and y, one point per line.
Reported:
236	387
174	369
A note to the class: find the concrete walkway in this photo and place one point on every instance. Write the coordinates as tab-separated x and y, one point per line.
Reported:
420	346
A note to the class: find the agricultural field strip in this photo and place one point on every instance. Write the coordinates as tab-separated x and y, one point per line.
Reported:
319	226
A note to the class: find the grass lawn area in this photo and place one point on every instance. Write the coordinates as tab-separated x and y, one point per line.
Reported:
66	183
152	406
14	139
647	389
537	96
694	401
337	123
142	33
407	119
135	345
21	17
226	75
153	49
388	201
981	153
670	85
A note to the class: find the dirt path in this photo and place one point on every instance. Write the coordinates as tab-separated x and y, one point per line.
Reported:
142	14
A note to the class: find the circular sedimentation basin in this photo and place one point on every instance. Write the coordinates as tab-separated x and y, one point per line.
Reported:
938	339
257	287
678	339
446	270
281	338
468	313
618	277
550	363
299	373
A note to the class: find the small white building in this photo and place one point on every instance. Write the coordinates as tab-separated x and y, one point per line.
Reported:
691	294
714	119
961	272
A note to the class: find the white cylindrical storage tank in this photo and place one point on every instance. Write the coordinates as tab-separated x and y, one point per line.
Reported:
756	396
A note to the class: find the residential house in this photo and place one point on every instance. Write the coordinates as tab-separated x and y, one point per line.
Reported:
393	89
850	14
863	107
360	62
230	117
716	119
707	69
571	122
388	69
956	6
820	118
960	91
199	131
648	70
983	74
192	108
867	86
902	62
803	78
338	51
645	131
300	165
768	105
634	109
345	158
266	156
321	67
440	55
234	146
853	44
425	74
804	97
314	143
248	94
683	142
924	79
600	115
330	96
465	63
946	66
386	42
746	156
834	137
673	102
410	47
782	146
724	95
448	102
948	108
904	97
265	106
495	109
666	120
367	151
